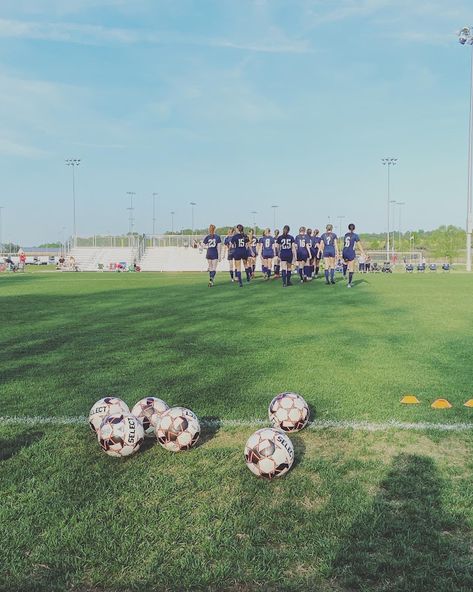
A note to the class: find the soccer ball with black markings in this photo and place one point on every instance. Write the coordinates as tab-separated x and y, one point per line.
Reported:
120	434
269	453
104	407
148	411
288	412
178	429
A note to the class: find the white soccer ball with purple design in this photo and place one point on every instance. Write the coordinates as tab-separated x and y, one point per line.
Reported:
104	407
148	411
288	412
120	434
269	453
178	429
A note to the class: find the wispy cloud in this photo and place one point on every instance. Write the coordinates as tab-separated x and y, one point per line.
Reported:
9	147
99	35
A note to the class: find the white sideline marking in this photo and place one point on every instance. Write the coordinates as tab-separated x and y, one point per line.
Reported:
318	424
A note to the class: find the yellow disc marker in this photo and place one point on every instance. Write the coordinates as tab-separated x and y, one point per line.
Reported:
409	400
469	403
441	404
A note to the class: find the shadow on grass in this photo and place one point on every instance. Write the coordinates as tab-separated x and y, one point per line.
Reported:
210	427
407	541
10	447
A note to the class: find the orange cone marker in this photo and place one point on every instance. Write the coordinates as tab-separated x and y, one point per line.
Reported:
441	404
409	400
469	403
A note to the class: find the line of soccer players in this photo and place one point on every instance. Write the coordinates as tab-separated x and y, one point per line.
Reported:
280	251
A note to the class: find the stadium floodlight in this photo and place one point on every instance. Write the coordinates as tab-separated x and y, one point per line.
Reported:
1	225
389	162
73	162
254	219
155	195
400	204
340	218
131	209
192	204
274	216
465	37
172	222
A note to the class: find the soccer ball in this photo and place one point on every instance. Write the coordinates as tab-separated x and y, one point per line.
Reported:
120	434
288	412
148	411
104	407
178	429
269	453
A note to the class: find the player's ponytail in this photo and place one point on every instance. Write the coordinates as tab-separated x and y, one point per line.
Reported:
286	229
240	228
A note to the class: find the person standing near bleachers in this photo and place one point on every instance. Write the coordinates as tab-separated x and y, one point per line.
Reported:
213	243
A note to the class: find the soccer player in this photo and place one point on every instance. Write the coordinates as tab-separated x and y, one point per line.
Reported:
267	252
349	251
316	253
303	254
229	249
287	253
254	251
277	260
251	256
213	243
240	244
329	247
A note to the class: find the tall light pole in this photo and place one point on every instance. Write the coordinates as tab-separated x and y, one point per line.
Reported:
155	195
340	218
389	162
172	222
1	224
393	248
400	204
131	209
254	220
193	204
73	162
274	216
465	37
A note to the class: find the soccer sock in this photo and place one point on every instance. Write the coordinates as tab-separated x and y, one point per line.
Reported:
248	274
317	270
232	274
212	275
326	275
253	267
289	276
307	271
345	270
350	276
269	271
284	275
238	274
264	269
332	274
277	269
300	272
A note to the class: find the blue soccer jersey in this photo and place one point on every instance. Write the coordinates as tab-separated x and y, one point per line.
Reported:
349	245
230	248
253	245
328	239
267	246
285	242
302	242
211	241
239	242
314	242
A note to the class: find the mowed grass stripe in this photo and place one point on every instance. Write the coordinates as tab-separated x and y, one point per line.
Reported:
322	424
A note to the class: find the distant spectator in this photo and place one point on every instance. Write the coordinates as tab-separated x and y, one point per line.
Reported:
362	263
368	263
22	261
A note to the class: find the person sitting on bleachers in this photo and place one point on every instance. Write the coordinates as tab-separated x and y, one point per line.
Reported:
446	267
409	268
433	267
421	267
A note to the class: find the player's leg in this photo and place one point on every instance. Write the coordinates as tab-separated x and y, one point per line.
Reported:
327	269
351	271
212	271
332	270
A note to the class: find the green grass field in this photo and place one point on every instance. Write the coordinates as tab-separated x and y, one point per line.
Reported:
383	510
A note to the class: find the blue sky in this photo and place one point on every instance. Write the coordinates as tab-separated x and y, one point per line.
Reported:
234	104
